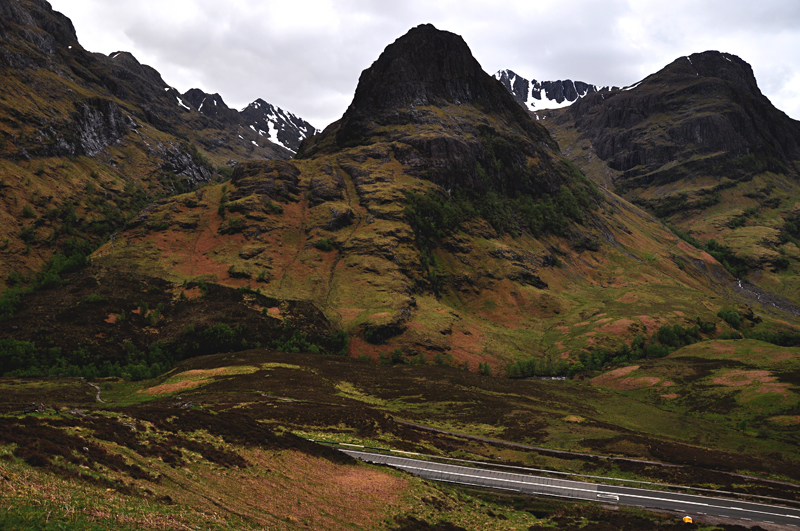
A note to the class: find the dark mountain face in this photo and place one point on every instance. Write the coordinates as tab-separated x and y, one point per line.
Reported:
448	120
534	95
714	121
212	106
425	67
41	29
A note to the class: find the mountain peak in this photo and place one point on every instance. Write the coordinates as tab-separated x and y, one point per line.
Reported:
724	66
426	67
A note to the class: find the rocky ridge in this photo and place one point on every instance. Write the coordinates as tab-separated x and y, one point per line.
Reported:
536	95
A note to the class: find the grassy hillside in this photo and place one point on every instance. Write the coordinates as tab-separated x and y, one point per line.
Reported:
219	441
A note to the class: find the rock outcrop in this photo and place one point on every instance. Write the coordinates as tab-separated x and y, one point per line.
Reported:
537	95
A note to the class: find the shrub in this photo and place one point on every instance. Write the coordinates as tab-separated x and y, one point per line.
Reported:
28	212
731	317
324	244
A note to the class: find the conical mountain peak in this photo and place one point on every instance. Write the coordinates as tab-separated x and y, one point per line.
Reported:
426	66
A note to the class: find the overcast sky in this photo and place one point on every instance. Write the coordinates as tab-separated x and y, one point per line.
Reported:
306	55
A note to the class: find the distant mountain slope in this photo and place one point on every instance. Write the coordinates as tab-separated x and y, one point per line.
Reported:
86	140
267	121
699	145
540	95
279	126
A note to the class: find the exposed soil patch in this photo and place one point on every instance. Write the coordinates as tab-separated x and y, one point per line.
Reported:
617	328
743	378
608	377
759	382
628	384
785	420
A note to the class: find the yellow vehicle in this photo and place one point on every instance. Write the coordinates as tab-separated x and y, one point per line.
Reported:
687	519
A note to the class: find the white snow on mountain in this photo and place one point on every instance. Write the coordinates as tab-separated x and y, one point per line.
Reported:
540	95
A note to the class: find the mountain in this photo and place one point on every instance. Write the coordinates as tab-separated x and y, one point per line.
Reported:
269	122
436	218
87	140
436	228
700	146
279	126
540	95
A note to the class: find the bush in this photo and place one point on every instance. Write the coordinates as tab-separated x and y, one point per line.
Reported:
731	317
324	244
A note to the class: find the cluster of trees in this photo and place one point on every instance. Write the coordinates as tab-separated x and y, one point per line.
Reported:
721	253
412	357
666	340
22	359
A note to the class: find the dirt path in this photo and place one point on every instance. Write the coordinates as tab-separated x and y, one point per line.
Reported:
301	244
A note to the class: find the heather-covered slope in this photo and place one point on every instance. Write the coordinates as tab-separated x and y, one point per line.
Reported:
698	144
87	140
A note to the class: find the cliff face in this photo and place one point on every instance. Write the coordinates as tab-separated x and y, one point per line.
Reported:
702	113
446	120
536	95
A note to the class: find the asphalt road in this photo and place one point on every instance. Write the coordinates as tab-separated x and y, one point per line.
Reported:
530	484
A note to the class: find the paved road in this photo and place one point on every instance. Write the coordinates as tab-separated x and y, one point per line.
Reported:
531	484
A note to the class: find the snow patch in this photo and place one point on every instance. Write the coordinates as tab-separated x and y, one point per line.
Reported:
254	143
201	105
180	102
633	86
